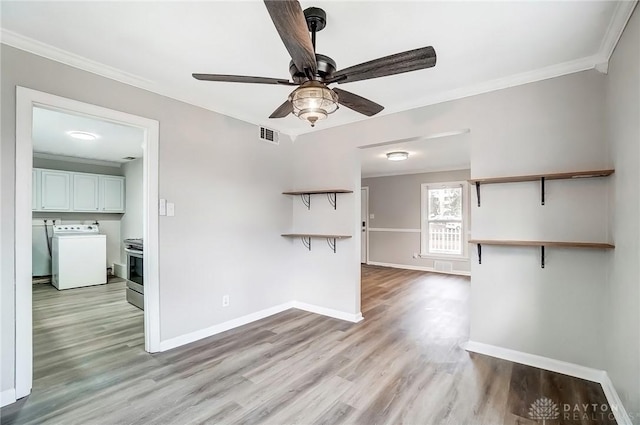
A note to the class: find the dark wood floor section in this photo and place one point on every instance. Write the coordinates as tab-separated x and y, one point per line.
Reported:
402	365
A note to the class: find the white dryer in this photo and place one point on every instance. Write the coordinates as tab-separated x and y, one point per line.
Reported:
79	256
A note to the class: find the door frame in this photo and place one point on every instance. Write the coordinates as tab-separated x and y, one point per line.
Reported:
366	189
26	99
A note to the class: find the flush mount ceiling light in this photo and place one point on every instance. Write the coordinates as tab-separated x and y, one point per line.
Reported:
397	156
313	101
82	135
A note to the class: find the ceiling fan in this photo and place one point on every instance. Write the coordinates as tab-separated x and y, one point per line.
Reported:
312	72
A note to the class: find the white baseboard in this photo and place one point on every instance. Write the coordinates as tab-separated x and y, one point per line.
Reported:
223	327
622	417
240	321
559	366
120	270
336	314
419	268
7	397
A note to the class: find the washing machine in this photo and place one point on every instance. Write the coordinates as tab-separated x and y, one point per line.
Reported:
79	256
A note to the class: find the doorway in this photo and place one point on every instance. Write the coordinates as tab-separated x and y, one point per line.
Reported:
26	101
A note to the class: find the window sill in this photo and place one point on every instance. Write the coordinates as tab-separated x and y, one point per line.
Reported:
451	257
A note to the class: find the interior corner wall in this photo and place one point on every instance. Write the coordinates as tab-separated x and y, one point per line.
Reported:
323	278
553	125
622	307
394	233
226	185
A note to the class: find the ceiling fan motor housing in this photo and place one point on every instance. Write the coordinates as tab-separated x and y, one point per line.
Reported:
315	16
326	68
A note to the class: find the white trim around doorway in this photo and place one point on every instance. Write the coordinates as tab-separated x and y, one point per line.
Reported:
26	99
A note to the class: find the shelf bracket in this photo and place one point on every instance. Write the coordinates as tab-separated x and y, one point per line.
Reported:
332	244
542	256
542	191
332	197
479	254
306	200
478	192
306	241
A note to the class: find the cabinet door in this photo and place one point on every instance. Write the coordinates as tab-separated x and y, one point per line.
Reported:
112	194
85	192
55	190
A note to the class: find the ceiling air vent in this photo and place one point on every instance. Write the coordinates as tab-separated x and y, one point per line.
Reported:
269	135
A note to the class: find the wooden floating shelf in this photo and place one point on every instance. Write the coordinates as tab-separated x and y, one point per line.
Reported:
538	244
551	176
314	235
594	245
541	178
305	195
306	238
315	192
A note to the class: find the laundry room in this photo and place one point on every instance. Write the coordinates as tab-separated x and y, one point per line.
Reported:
87	198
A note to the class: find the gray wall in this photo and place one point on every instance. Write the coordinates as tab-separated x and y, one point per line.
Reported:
622	326
395	203
549	126
132	220
212	167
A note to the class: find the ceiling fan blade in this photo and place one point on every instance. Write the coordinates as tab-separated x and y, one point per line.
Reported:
291	24
283	110
357	103
242	79
411	60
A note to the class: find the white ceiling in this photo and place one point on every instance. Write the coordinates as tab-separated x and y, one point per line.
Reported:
481	46
113	144
426	154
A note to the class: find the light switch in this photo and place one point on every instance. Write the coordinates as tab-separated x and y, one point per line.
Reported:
372	216
163	207
171	209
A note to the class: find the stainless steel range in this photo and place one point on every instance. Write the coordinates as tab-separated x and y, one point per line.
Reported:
135	272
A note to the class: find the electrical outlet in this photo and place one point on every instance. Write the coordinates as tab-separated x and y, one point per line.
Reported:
225	301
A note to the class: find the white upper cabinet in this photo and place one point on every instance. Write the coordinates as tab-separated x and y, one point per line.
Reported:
55	190
112	194
85	192
77	192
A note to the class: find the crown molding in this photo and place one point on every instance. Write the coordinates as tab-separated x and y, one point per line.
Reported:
553	71
599	61
48	51
616	27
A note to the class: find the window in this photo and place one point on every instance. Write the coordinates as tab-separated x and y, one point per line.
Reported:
443	219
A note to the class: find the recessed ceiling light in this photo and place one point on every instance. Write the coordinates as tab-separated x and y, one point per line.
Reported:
397	156
82	135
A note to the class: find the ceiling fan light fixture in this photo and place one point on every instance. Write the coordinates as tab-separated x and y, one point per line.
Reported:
397	156
313	101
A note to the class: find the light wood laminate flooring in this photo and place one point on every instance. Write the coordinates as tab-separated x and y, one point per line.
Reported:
402	365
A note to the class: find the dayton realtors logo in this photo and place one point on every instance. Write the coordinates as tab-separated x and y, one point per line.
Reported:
544	409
